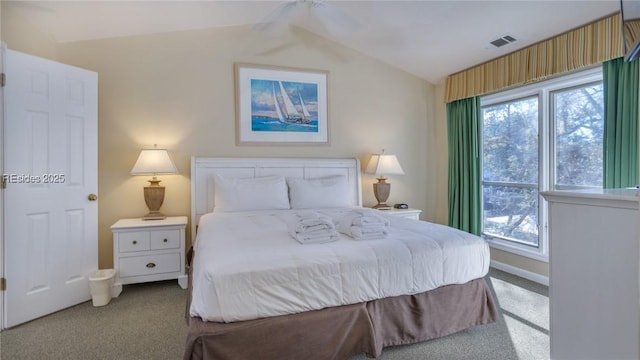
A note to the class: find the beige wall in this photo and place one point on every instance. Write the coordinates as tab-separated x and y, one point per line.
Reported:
439	159
18	34
177	90
524	263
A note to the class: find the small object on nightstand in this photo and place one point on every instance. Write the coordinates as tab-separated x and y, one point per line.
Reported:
400	206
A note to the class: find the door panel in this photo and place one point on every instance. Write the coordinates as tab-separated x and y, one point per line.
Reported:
50	159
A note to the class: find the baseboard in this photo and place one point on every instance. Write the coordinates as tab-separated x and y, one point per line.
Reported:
526	274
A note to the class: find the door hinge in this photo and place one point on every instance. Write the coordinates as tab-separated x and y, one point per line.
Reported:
3	79
3	284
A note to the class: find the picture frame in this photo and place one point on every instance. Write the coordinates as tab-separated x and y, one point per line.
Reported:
281	106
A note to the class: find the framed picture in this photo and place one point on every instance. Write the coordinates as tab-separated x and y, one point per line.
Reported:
281	106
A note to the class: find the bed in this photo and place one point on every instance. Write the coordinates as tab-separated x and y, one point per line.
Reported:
257	293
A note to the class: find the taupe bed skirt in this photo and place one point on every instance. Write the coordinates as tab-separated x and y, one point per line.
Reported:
341	332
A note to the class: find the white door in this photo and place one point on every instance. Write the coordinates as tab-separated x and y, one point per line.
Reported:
50	164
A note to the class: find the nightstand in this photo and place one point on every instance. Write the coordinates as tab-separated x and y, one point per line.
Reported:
149	250
406	213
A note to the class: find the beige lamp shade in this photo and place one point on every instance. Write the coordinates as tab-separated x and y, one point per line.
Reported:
154	162
381	165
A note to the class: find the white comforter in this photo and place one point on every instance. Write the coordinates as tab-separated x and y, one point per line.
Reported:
247	266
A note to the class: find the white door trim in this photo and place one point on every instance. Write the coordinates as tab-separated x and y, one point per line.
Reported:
3	48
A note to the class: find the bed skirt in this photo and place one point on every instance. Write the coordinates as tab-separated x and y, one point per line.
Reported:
341	332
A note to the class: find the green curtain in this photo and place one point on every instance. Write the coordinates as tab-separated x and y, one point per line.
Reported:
620	80
463	124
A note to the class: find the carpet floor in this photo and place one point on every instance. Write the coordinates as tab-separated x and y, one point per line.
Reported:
146	322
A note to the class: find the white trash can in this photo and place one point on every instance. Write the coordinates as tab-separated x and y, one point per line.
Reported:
100	284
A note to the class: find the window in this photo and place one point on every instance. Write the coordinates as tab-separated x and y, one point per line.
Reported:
578	115
543	136
510	170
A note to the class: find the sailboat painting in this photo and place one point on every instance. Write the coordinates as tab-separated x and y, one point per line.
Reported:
281	105
284	106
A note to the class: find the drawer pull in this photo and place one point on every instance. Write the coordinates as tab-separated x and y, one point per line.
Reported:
135	242
151	265
165	240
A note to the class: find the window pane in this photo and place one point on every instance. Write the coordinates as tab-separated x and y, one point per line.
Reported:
511	213
510	142
579	119
510	170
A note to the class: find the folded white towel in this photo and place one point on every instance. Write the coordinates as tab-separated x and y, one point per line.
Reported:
345	222
304	221
372	228
317	237
366	220
360	233
309	227
363	224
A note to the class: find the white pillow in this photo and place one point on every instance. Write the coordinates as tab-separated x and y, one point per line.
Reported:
331	191
246	194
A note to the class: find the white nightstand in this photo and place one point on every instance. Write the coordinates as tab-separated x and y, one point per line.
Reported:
149	250
406	213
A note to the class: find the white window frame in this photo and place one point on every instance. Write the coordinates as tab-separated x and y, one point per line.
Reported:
546	132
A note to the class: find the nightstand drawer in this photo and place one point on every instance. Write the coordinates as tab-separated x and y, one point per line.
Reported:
148	265
133	241
409	216
413	214
149	250
166	239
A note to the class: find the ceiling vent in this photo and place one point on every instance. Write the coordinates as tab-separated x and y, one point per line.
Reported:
502	41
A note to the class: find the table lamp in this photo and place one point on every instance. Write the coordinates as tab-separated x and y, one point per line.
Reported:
381	165
153	162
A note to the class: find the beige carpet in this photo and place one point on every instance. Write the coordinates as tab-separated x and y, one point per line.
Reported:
147	322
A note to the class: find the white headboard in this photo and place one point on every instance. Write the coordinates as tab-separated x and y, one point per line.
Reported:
203	168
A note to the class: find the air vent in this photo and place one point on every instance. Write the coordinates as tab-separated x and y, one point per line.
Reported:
502	41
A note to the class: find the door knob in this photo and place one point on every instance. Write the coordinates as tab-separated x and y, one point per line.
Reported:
92	197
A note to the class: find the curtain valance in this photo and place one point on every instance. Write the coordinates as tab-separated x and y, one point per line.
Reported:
588	45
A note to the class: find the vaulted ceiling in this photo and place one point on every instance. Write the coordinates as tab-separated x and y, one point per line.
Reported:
430	39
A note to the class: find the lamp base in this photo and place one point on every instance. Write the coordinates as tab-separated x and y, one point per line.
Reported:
381	190
154	197
382	207
154	215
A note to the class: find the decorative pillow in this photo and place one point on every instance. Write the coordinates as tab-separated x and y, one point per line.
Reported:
246	194
331	191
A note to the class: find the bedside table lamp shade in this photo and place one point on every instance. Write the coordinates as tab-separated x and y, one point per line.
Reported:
381	165
154	162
